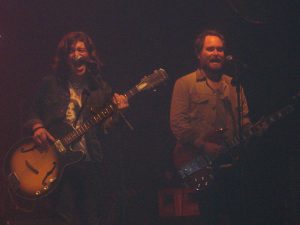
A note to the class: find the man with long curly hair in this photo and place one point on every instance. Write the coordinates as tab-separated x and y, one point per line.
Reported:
76	81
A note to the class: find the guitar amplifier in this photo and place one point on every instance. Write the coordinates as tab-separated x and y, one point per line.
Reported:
174	202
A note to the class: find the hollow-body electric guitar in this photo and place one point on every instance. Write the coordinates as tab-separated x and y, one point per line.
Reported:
33	172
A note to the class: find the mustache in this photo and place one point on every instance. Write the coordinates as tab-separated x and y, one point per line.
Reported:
78	61
216	59
81	60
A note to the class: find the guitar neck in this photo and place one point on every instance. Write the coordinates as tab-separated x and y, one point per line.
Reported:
260	126
98	117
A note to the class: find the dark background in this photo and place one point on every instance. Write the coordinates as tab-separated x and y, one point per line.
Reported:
136	37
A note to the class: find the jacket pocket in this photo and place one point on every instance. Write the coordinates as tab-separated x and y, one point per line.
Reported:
200	106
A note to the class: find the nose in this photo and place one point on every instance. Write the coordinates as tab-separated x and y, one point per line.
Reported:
215	52
76	54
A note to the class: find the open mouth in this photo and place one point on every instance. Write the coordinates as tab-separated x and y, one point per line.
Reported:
79	69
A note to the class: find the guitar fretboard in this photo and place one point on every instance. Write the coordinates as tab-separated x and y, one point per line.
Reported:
148	82
93	120
260	126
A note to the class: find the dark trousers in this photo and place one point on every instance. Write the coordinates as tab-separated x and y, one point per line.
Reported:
79	196
221	203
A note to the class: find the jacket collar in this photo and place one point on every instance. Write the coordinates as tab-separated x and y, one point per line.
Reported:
200	75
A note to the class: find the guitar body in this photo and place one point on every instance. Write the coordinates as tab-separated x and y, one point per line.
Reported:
195	170
33	172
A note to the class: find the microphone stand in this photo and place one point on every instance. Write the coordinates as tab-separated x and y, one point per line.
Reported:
237	82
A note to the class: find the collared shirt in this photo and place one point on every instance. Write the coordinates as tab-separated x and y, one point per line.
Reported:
197	109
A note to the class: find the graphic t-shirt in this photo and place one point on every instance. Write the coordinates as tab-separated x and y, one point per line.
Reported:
72	115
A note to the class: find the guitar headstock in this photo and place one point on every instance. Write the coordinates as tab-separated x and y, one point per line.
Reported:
151	81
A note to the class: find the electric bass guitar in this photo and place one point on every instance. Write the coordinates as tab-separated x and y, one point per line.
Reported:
198	170
33	173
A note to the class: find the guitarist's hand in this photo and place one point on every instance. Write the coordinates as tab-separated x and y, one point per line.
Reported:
41	136
212	149
121	101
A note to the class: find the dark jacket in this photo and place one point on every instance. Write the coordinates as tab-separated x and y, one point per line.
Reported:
51	102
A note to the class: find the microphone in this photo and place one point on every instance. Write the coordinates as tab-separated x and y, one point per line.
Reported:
232	60
229	58
80	60
236	67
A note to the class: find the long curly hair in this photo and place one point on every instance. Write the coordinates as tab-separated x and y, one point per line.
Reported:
60	66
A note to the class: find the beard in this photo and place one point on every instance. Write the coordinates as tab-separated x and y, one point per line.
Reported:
213	64
213	68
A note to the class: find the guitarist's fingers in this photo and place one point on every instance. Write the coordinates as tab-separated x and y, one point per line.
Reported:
212	149
41	137
50	137
41	141
38	135
37	140
261	127
121	101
